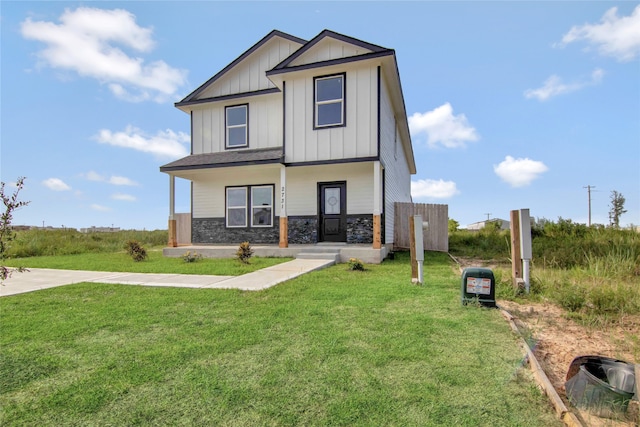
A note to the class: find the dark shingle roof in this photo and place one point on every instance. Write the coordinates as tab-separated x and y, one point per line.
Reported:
225	159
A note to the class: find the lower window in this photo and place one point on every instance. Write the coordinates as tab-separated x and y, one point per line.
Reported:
255	202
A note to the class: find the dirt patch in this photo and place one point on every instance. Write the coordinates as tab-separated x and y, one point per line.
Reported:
556	340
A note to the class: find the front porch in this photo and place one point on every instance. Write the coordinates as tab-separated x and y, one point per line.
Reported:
339	252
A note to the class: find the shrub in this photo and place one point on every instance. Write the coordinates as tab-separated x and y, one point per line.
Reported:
244	252
191	256
135	250
356	264
571	297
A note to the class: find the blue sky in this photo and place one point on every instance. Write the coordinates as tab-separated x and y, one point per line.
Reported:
511	104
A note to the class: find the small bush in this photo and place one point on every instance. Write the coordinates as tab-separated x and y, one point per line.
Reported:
191	256
244	252
135	250
356	264
610	299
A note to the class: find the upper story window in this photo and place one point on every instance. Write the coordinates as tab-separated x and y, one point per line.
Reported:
237	121
329	101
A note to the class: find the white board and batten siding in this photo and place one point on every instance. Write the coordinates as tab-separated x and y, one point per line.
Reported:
265	111
393	159
302	187
265	123
249	75
209	196
357	139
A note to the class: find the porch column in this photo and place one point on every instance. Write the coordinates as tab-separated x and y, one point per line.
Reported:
284	222
377	205
173	239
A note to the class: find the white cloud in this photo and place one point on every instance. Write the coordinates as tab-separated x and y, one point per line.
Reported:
88	41
519	172
94	176
435	189
121	180
554	86
56	184
168	144
114	179
442	127
123	197
99	208
614	36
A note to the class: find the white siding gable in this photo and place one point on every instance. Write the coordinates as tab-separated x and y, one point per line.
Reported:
328	49
249	74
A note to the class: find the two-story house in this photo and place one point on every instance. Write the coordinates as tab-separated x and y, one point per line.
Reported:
298	142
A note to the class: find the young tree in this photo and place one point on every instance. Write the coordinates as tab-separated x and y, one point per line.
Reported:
617	208
11	203
453	225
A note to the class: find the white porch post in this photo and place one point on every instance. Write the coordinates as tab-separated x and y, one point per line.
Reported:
173	238
377	205
284	222
172	197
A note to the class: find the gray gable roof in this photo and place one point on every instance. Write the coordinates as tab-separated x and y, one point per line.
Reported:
376	51
226	159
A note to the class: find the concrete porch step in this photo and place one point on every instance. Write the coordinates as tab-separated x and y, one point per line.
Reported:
329	255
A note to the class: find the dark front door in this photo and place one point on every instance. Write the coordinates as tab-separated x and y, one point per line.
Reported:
333	211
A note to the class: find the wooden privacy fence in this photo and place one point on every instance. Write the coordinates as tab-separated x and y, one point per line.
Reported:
436	236
183	228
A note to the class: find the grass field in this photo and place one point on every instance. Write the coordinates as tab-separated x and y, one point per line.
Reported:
332	347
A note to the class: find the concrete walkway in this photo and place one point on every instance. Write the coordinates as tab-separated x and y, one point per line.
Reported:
42	278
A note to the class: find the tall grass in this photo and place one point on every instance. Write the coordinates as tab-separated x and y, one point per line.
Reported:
592	272
31	243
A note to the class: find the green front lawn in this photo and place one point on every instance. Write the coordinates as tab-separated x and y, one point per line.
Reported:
155	263
332	347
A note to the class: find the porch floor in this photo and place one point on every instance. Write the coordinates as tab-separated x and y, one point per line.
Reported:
344	251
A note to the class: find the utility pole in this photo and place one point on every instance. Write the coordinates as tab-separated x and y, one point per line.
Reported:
589	187
488	214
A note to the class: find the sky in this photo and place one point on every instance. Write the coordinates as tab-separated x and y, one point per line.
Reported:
511	105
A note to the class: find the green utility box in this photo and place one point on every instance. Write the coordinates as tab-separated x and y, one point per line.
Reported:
479	284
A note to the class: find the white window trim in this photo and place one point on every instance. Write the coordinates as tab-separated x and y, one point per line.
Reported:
340	101
245	126
227	207
270	187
